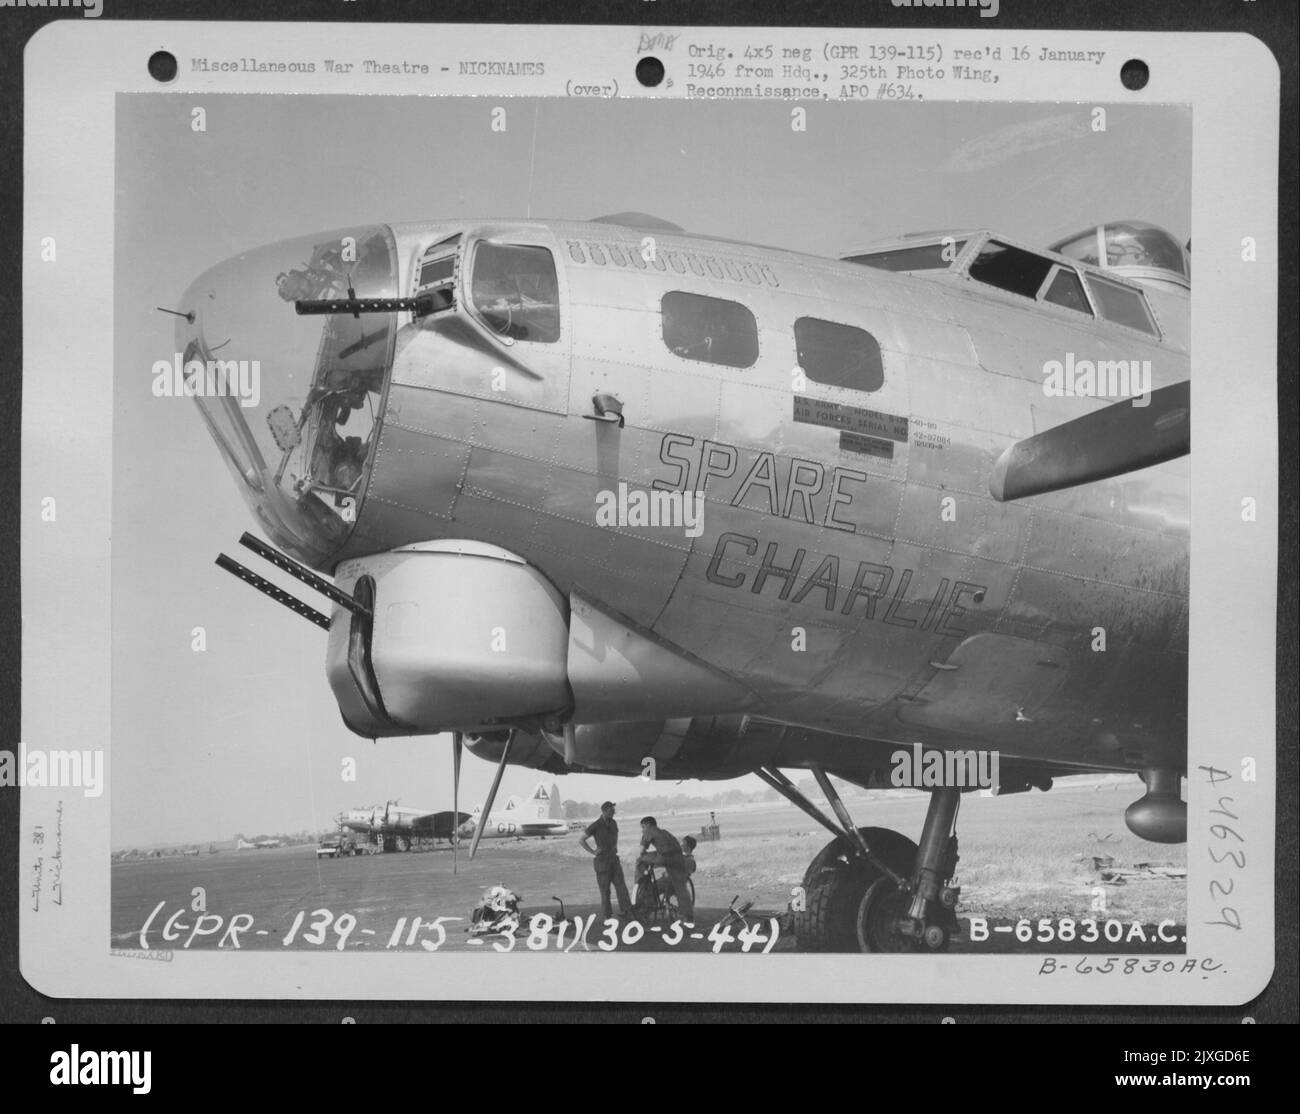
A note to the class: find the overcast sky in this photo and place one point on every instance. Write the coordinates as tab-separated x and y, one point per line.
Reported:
246	736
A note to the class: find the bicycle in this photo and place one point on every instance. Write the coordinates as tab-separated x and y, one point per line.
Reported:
650	900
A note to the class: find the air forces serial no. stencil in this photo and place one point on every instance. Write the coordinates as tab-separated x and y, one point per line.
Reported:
783	437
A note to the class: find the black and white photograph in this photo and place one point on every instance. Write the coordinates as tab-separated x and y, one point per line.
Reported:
596	462
727	533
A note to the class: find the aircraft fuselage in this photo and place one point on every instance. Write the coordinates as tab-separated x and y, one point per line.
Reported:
849	568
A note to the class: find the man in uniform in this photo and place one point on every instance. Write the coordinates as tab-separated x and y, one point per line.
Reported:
665	884
669	856
608	868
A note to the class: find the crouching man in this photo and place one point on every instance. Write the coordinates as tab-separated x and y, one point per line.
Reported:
669	856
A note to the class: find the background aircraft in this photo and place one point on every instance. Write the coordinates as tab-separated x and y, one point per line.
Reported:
907	538
398	827
542	814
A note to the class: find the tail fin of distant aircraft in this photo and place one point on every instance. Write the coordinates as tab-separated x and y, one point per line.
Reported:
544	803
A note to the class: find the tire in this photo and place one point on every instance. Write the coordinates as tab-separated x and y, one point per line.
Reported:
893	847
670	903
835	884
878	912
645	902
403	844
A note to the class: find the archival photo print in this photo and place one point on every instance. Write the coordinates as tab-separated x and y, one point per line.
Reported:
627	526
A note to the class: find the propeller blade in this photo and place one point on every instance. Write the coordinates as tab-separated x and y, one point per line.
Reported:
492	795
1109	442
457	746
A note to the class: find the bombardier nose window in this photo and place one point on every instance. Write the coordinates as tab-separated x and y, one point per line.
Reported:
515	292
339	417
307	325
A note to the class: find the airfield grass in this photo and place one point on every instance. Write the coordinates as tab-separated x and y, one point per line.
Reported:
1031	855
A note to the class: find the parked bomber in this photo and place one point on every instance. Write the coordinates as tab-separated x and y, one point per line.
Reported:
937	483
396	827
541	815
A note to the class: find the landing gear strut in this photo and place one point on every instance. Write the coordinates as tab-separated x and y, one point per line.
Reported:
872	889
894	918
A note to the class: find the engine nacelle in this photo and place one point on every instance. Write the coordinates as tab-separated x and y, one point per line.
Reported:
527	749
459	636
703	746
464	636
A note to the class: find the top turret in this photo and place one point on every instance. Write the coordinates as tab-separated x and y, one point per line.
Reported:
1135	249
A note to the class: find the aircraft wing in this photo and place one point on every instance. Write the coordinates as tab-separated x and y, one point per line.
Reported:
1108	442
425	824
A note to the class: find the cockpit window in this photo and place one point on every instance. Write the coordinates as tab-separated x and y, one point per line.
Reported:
515	291
711	330
1065	289
1122	304
928	257
1011	269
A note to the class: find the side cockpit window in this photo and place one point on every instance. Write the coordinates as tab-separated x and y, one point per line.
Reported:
1066	290
926	257
515	292
838	355
711	330
1011	269
1122	304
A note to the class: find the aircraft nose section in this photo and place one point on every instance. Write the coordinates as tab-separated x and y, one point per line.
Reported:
290	384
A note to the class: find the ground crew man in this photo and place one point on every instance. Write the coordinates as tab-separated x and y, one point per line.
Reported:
669	856
608	868
665	884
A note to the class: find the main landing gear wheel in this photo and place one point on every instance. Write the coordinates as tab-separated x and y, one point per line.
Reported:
837	881
881	910
872	889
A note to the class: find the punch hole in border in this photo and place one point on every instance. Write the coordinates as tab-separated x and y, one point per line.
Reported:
649	72
1134	74
162	66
